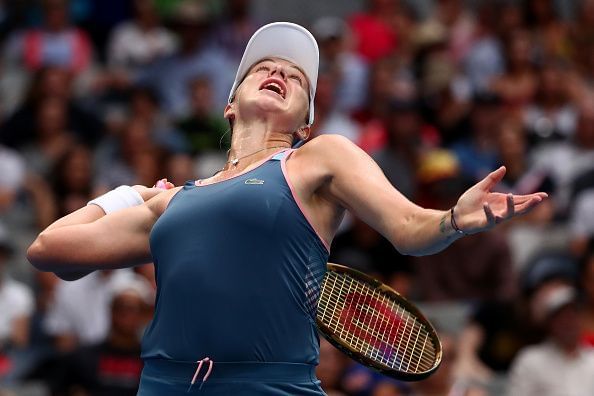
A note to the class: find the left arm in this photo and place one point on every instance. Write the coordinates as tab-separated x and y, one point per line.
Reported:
355	182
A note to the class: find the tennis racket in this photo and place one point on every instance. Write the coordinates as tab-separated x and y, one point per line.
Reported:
376	326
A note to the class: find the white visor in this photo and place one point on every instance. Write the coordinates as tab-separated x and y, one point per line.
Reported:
287	41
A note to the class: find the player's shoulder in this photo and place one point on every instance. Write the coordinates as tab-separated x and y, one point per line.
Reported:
326	146
329	139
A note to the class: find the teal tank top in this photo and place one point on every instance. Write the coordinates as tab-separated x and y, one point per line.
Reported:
238	270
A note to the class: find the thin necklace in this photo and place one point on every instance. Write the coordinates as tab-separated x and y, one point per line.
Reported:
235	161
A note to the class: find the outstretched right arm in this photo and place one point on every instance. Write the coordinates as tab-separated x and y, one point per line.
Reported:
88	240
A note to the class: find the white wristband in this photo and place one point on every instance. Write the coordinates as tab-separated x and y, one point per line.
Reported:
116	199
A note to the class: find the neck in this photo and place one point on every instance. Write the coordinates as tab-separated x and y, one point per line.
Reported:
250	137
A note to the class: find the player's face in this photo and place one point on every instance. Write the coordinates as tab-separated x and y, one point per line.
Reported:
276	86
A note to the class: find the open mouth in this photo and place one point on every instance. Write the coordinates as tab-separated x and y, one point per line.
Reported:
275	86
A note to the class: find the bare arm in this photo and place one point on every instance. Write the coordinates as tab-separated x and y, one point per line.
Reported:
357	183
88	240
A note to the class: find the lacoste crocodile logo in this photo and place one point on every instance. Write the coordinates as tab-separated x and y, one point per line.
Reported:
254	181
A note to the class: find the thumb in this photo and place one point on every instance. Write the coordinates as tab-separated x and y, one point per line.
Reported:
492	179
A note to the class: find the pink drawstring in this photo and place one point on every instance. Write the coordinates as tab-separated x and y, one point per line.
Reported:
200	363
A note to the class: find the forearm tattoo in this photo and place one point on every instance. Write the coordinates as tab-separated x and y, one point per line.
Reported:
442	224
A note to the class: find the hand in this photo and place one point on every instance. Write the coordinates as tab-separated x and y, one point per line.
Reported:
479	209
164	184
148	192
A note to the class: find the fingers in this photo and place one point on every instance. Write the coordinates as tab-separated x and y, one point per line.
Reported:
528	205
163	184
493	219
515	205
510	206
518	199
490	216
492	179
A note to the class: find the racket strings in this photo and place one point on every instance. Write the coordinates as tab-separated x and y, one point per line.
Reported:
407	355
378	332
371	322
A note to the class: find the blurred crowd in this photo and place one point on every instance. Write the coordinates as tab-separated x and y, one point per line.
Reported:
95	94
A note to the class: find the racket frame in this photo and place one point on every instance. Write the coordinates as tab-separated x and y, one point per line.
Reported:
411	308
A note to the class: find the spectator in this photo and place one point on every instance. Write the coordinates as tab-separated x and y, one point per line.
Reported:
332	364
477	267
537	229
359	380
147	166
477	152
56	43
203	129
582	39
581	221
375	29
329	118
119	159
552	115
550	33
517	86
362	248
12	176
399	159
179	169
498	329
80	312
461	24
235	28
338	59
559	365
16	304
433	67
196	56
565	161
113	366
145	106
444	381
485	59
512	147
53	139
383	86
510	15
45	285
50	83
72	179
136	43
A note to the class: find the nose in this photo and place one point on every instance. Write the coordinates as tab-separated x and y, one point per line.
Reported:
279	70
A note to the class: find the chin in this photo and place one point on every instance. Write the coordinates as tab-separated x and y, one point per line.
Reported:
264	106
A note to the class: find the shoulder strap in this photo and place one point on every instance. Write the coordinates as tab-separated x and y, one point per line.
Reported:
281	155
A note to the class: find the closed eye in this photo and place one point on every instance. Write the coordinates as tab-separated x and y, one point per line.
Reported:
266	68
297	78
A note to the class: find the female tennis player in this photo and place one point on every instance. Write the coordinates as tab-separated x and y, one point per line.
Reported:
240	256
